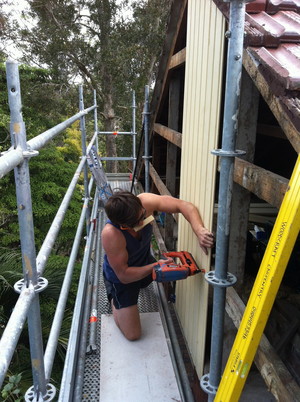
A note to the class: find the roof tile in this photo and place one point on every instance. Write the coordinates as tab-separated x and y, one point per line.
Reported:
284	26
283	62
273	6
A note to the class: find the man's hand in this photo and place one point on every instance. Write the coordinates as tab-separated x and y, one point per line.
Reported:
206	239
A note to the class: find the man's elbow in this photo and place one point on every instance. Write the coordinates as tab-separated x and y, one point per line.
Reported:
123	279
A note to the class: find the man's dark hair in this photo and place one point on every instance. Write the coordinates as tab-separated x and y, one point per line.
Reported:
123	208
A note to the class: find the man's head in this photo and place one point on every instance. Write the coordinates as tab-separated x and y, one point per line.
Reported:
125	209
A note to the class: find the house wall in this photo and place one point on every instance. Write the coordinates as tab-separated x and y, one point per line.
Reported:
201	121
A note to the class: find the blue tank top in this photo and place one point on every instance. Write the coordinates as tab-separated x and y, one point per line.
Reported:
138	251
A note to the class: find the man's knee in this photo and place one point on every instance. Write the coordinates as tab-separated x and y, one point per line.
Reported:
133	335
128	321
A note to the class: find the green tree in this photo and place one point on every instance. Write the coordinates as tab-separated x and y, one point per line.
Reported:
112	45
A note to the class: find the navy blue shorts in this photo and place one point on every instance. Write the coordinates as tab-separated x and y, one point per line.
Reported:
125	295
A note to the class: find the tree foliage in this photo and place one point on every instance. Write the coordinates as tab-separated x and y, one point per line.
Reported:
113	46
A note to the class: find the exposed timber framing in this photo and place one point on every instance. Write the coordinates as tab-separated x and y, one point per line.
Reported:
246	138
161	187
171	167
277	377
176	16
178	59
272	100
170	135
266	185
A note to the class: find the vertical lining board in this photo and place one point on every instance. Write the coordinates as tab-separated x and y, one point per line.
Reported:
204	58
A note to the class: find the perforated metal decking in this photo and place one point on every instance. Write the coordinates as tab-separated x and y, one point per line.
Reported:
148	302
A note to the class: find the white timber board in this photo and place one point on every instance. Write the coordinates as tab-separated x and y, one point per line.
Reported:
138	371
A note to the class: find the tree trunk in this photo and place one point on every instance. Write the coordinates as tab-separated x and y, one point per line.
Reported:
109	125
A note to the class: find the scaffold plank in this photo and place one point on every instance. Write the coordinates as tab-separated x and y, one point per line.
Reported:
136	371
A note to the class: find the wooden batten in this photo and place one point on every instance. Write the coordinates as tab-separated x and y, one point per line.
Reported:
178	59
268	186
170	135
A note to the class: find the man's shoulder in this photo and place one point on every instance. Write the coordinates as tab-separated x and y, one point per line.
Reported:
111	232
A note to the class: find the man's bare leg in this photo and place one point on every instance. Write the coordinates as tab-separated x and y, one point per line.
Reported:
128	320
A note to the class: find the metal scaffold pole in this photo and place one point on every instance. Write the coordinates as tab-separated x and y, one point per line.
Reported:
146	156
220	279
40	390
83	144
133	131
96	120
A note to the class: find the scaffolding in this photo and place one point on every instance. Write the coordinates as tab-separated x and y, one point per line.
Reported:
82	342
33	283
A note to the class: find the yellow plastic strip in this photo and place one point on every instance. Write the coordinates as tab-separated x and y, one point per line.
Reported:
265	288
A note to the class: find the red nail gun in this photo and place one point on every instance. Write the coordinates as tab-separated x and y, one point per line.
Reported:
174	272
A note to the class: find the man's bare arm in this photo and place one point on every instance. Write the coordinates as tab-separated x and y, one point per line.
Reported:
114	245
165	203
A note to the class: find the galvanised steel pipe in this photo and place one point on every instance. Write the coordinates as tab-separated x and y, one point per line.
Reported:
133	131
49	241
66	389
42	139
96	120
83	147
77	392
92	346
220	278
57	222
118	158
9	160
25	216
63	297
13	329
146	138
116	133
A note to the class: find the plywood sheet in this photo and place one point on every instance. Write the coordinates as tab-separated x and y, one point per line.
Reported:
136	371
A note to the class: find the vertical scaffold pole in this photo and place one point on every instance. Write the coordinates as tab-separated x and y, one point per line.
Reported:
146	138
25	216
133	132
83	145
221	278
96	120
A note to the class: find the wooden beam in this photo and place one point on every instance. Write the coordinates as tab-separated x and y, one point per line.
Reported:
266	185
171	163
246	137
170	135
273	101
162	189
275	374
176	15
178	59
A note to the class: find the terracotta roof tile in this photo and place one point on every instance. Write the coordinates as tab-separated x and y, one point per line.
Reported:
272	36
273	6
284	26
283	62
256	6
